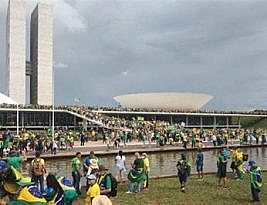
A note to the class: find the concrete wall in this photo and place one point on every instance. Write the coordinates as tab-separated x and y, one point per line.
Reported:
16	50
42	55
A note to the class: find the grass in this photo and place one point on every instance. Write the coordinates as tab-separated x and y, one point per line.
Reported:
206	192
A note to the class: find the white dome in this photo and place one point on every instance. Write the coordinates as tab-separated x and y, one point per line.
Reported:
164	101
6	100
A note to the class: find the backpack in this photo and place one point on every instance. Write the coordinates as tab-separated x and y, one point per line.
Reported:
114	185
37	167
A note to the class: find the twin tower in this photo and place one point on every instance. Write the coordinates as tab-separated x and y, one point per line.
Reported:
40	66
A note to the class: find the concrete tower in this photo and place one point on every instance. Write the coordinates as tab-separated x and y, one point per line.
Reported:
16	50
41	49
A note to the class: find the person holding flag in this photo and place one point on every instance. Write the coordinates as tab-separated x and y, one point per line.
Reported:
255	178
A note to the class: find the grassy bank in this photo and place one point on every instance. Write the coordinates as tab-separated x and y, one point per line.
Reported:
206	192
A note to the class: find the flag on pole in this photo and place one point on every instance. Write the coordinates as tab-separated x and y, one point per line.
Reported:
76	100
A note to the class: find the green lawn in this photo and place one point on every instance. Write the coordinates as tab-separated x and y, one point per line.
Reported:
166	192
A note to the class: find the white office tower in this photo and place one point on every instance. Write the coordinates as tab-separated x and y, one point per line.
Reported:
16	50
41	49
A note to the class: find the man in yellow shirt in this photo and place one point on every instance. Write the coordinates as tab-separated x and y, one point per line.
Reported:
146	170
37	171
93	190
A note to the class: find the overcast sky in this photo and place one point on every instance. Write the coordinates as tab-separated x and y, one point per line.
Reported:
108	48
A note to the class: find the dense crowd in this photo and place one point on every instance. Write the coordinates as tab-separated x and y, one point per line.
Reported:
119	108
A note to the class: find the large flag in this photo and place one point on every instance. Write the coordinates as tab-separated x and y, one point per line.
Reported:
76	100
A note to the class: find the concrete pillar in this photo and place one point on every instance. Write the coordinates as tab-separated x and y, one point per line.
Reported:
186	121
214	121
85	124
201	122
227	122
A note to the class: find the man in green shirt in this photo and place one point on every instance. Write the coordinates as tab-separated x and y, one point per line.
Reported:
15	160
76	165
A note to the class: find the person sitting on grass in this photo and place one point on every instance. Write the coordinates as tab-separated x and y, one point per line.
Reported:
255	177
184	170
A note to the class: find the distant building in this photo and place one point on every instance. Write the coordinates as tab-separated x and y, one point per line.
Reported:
164	101
40	66
42	55
16	50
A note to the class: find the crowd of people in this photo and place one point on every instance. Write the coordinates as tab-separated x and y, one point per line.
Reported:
101	185
126	109
147	132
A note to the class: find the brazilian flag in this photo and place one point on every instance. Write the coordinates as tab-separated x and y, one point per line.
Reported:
136	176
29	195
69	191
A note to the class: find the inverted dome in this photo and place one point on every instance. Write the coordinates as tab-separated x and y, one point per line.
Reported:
164	101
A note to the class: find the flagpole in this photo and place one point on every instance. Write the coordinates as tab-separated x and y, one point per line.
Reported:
17	119
53	106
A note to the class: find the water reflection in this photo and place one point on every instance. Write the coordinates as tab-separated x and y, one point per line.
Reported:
161	163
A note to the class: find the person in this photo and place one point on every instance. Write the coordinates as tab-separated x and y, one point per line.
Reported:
214	140
15	160
146	170
120	165
184	170
199	163
82	138
234	159
93	190
104	181
101	200
90	163
221	169
53	192
255	177
37	171
241	165
135	175
77	171
3	168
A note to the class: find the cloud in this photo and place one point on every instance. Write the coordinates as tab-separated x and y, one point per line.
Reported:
125	73
65	15
215	47
60	65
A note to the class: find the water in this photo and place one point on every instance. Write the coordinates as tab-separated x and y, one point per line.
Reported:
161	163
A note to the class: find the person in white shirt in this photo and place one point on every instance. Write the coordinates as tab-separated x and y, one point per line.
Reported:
120	165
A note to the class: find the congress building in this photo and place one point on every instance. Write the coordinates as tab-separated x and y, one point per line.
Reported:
40	66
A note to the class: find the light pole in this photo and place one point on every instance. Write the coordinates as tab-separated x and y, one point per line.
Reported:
17	119
53	104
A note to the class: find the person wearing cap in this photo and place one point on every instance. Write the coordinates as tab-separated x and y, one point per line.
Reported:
146	170
93	190
255	177
184	170
104	181
77	171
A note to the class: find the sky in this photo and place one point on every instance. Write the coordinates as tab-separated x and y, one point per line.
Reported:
107	48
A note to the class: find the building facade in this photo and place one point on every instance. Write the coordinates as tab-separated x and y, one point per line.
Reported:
40	66
41	41
16	50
